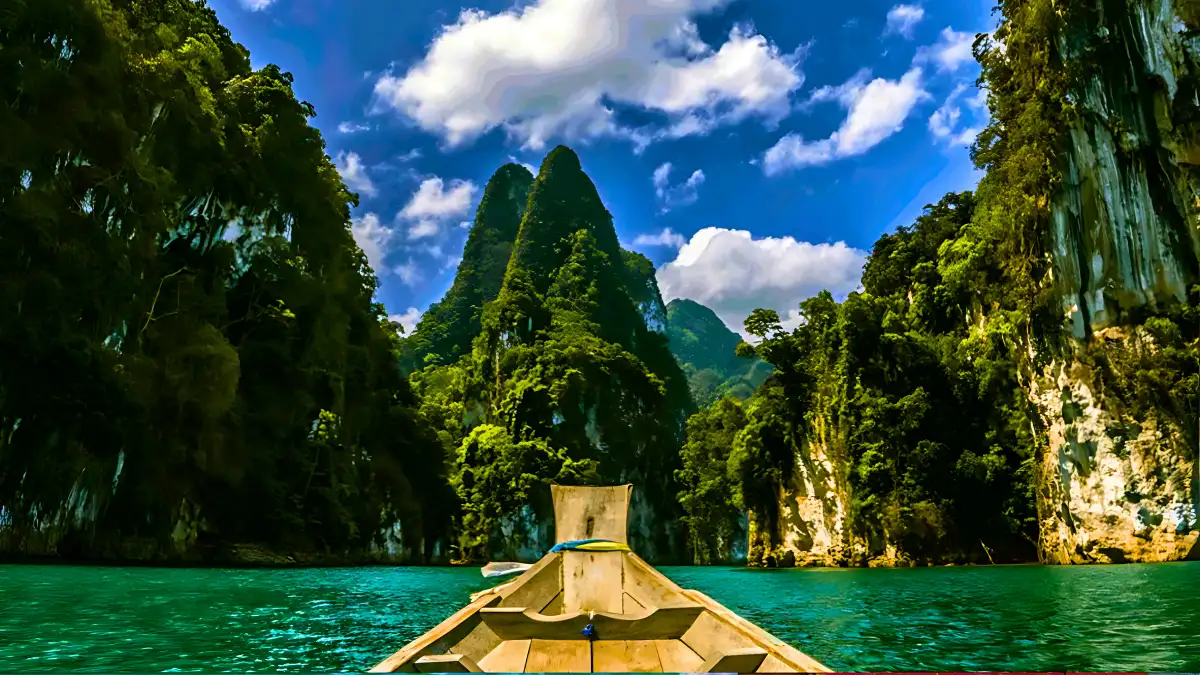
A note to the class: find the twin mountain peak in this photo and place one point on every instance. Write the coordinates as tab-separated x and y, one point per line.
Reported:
543	251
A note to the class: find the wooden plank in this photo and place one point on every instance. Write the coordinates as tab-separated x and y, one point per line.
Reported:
591	512
537	586
509	657
555	607
592	581
625	656
511	623
489	591
709	636
478	643
648	585
438	639
796	660
447	663
677	657
559	656
630	604
737	661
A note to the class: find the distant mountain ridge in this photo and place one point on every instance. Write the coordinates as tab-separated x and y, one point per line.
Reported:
705	348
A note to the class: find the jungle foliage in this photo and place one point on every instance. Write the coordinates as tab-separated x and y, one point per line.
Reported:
566	380
914	387
189	352
190	355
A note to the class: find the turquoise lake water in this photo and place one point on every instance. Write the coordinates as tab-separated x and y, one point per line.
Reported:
138	620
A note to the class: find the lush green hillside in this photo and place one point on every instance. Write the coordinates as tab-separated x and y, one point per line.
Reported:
189	353
448	326
706	350
566	381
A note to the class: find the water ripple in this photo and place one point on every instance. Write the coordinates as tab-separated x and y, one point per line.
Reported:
1015	619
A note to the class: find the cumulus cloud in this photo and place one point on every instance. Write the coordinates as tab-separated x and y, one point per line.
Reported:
354	174
408	320
434	203
551	67
408	272
664	238
733	273
409	156
256	5
951	51
902	19
670	196
373	237
944	122
875	110
352	127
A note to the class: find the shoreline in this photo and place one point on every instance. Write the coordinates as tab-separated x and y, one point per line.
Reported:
234	564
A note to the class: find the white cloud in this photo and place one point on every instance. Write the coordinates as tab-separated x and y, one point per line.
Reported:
664	238
434	203
354	174
423	228
257	5
408	272
409	156
670	196
373	238
352	127
875	110
950	52
408	320
944	122
547	68
733	273
979	102
901	20
662	173
528	167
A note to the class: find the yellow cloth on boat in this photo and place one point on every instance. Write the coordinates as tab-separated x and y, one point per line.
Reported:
601	546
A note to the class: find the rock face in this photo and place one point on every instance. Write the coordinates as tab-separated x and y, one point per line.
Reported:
1116	486
1124	226
1112	490
814	516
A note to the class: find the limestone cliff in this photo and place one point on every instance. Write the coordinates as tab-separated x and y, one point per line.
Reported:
814	515
1117	485
1067	302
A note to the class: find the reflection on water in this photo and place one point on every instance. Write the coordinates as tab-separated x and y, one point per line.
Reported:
1115	618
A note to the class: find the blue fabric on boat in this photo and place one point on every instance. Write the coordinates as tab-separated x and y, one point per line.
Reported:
572	545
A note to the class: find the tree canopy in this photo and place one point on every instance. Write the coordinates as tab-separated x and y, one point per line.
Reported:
191	353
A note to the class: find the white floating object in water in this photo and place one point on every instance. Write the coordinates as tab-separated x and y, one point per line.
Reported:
500	569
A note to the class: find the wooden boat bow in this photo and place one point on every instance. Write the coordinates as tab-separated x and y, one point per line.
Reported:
595	611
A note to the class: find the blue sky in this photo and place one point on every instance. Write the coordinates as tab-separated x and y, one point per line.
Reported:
753	149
